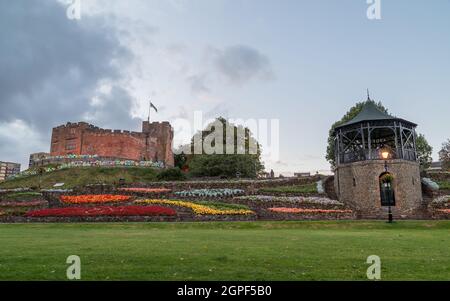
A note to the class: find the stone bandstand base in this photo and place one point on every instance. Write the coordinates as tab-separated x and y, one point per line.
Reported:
357	185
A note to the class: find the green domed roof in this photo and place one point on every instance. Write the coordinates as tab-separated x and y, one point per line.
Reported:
370	112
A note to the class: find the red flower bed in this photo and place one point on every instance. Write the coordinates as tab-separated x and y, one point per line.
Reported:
447	211
145	190
92	198
103	211
301	210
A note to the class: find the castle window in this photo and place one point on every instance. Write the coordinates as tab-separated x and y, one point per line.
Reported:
354	182
70	145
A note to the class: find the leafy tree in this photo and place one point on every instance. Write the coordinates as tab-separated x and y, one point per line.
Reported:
238	159
180	160
424	151
444	155
355	110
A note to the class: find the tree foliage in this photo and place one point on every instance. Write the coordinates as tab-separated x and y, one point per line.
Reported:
238	160
444	155
424	151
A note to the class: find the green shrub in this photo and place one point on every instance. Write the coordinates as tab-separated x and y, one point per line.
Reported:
171	174
444	184
22	196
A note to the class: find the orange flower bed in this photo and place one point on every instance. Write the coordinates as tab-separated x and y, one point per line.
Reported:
146	190
313	211
444	211
93	198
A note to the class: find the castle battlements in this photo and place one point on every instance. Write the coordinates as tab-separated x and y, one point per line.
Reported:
82	138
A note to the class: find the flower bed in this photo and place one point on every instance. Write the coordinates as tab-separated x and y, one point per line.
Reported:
199	209
446	211
307	211
441	202
94	199
210	192
145	190
103	211
23	204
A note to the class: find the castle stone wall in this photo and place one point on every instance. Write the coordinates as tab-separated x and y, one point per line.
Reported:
153	143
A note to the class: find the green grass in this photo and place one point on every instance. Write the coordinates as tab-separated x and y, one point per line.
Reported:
82	176
308	188
444	185
22	196
409	250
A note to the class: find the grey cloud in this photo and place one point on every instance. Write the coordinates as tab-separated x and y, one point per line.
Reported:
111	109
198	84
51	66
241	63
238	64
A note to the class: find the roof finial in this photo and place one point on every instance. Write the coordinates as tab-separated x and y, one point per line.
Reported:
368	95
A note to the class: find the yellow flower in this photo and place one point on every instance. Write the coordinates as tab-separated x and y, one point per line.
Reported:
197	208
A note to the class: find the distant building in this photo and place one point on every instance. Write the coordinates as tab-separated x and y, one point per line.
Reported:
435	166
302	174
8	169
37	157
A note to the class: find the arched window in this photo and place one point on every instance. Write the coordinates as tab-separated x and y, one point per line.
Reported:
387	194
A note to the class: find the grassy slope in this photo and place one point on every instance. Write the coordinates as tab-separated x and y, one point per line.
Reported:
82	176
232	251
308	188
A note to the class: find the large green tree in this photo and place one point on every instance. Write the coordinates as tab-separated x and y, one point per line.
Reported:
424	151
355	110
239	158
444	155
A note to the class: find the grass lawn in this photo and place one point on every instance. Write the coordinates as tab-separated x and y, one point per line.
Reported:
308	188
409	250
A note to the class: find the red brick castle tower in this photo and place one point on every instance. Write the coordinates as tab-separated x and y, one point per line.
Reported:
154	143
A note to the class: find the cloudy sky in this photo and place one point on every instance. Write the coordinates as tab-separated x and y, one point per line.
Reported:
301	62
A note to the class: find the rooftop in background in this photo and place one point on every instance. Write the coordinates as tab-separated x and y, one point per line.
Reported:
435	166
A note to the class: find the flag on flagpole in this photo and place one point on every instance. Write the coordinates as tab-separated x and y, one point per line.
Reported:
150	110
152	106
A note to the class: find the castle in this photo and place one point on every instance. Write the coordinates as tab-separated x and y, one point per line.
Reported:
154	143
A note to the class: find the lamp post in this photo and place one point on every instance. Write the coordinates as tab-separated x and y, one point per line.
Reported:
385	156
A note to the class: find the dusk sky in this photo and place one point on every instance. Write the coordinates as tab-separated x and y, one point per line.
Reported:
304	63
